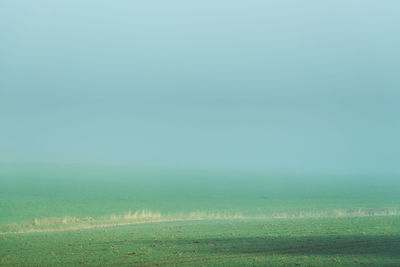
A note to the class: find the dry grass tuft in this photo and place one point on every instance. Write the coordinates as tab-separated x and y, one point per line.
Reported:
144	216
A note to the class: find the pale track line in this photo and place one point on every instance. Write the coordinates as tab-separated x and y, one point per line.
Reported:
87	227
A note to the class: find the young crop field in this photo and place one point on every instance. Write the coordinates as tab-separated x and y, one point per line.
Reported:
363	241
113	217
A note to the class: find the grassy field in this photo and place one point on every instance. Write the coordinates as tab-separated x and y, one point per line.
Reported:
366	241
63	215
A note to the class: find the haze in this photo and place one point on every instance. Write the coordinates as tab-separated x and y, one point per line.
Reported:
308	86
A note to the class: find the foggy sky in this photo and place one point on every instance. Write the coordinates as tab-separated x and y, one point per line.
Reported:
255	85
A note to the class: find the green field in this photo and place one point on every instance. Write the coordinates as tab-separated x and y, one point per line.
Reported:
64	215
366	241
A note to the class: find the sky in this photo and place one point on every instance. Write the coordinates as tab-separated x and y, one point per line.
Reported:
302	86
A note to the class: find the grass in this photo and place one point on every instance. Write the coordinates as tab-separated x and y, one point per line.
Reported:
368	241
60	215
137	217
73	223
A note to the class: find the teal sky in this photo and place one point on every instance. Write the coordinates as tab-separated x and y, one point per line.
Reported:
255	85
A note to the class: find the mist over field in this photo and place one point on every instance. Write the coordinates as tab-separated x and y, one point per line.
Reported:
288	86
279	115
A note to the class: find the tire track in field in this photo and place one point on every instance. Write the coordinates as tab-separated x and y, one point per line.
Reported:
268	217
